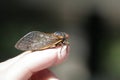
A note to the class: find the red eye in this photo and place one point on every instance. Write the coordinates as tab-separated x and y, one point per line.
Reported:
66	35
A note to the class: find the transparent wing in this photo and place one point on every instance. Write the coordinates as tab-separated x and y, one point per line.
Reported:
35	40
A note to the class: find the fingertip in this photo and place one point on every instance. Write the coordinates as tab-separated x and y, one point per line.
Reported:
63	53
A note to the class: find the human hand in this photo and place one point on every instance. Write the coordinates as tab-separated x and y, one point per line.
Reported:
33	65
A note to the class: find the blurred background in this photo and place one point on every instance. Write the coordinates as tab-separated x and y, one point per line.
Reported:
93	26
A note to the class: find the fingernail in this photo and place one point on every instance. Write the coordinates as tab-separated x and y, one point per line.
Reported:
62	52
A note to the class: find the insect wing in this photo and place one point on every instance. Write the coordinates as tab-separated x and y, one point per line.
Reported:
35	40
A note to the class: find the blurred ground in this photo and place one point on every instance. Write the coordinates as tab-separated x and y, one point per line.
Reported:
93	26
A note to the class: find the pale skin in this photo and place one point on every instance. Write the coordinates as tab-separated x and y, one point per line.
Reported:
33	65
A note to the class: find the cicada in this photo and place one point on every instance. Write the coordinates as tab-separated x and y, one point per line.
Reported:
37	40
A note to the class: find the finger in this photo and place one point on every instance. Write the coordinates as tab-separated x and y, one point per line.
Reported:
44	75
4	65
36	61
